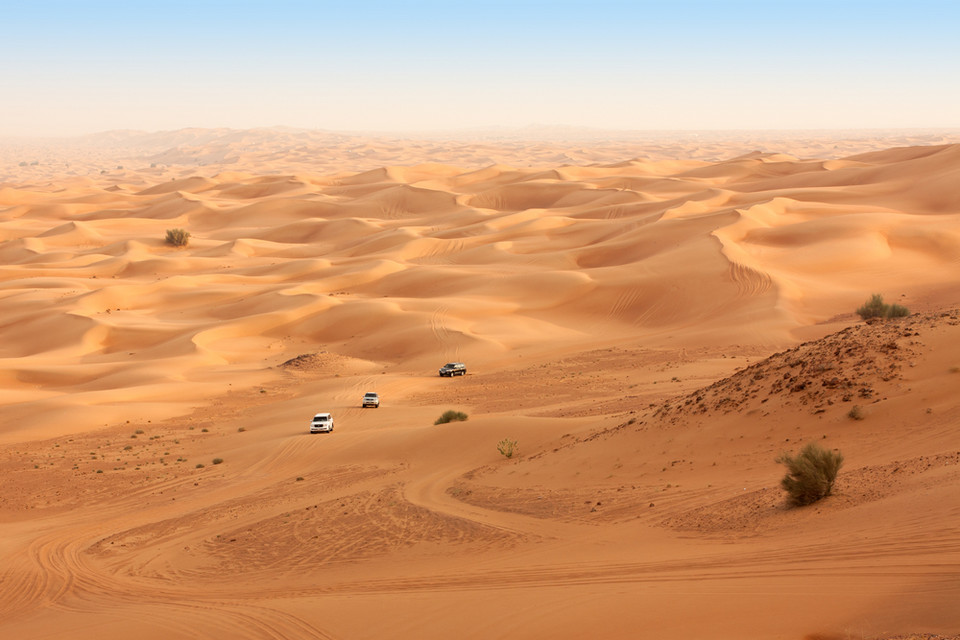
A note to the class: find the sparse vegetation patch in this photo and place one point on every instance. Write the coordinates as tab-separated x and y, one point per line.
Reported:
876	308
810	474
507	447
450	416
178	237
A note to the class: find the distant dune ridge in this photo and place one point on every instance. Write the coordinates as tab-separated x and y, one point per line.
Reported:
652	318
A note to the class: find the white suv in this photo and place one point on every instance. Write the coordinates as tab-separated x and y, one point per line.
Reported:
322	423
370	399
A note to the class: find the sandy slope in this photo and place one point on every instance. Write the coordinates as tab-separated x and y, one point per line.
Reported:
635	324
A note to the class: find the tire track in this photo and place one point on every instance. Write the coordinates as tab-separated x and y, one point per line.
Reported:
823	561
55	572
429	491
443	335
624	304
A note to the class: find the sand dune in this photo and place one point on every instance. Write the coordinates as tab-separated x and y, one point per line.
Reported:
654	321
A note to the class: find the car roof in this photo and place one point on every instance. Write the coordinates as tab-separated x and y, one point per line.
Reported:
321	415
370	393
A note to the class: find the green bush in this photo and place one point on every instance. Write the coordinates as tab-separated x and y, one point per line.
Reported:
218	461
897	311
178	237
507	448
875	307
451	416
810	474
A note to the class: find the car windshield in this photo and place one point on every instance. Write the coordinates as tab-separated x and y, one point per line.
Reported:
451	365
371	395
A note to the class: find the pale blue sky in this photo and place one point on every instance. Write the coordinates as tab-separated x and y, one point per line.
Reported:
71	67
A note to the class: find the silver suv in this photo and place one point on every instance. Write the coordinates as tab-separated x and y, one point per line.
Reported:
371	399
453	369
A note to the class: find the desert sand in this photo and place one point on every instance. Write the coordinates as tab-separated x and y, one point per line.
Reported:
653	320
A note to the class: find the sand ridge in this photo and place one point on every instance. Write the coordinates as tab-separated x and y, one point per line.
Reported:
652	328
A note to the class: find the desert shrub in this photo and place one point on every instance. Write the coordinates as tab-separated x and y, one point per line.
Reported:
450	416
856	413
872	308
199	466
178	237
875	307
810	474
507	448
897	311
217	460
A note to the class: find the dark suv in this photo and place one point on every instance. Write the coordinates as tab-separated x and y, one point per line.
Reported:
453	369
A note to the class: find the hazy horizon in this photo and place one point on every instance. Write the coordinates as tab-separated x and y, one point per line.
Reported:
536	131
690	65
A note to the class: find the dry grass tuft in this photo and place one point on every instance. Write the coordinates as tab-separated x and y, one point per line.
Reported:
177	237
810	474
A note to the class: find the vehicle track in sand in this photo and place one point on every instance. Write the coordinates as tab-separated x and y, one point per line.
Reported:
430	491
449	347
62	579
836	567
